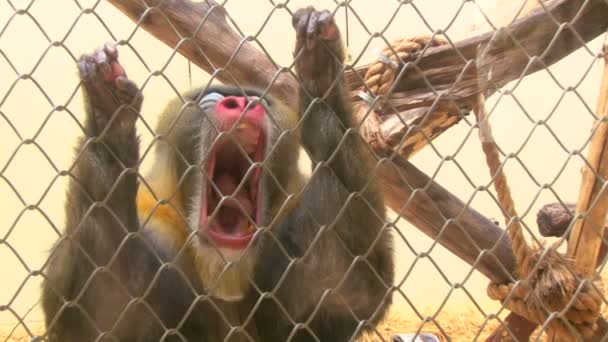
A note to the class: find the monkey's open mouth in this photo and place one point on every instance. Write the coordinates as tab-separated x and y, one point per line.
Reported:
231	206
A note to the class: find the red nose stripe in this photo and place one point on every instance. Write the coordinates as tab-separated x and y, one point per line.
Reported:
230	108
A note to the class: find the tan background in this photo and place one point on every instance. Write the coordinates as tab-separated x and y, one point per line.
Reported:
28	104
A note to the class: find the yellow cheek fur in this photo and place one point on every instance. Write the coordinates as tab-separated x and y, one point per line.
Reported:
167	220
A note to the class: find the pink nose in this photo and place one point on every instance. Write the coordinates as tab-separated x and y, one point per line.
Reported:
235	105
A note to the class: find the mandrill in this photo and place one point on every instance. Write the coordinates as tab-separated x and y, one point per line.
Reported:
225	240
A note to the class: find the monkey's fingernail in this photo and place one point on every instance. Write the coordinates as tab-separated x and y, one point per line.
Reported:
100	57
111	50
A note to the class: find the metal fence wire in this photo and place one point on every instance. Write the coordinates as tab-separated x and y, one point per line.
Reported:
455	122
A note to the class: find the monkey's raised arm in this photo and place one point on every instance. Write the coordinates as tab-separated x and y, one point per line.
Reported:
100	208
328	125
104	171
344	271
109	152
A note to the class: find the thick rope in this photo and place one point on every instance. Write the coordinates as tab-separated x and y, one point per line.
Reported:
380	78
505	200
581	315
551	278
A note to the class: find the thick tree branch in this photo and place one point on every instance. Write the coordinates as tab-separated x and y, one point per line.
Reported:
530	44
444	217
200	32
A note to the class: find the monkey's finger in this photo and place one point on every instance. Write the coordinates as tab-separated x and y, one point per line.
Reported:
327	26
87	67
301	28
127	86
111	52
312	30
117	71
302	12
103	65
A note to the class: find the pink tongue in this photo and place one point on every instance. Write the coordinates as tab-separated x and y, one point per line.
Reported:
231	217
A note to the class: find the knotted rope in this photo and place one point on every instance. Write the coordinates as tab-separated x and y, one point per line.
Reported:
380	77
379	80
551	278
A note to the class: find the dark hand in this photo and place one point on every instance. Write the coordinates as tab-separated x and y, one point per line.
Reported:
318	50
108	90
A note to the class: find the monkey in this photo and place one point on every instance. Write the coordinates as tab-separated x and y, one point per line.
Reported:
225	239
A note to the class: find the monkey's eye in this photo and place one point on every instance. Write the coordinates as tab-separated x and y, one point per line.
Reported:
209	100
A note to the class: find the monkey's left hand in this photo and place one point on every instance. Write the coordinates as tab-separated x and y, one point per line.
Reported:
319	50
111	95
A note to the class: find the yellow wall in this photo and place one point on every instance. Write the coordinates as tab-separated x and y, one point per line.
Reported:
28	104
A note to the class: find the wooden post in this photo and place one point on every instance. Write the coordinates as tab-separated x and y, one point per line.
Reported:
585	240
586	237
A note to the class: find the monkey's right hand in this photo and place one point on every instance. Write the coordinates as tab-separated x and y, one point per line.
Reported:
112	98
319	53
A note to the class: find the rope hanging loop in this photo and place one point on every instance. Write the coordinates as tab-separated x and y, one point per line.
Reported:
380	78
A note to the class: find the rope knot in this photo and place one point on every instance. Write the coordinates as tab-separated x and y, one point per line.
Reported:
552	286
379	79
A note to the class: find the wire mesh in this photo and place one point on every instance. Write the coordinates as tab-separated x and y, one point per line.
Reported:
542	150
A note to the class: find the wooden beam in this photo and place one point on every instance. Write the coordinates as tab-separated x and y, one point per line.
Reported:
446	219
201	33
530	44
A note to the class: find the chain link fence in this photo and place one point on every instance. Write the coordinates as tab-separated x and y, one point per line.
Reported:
418	73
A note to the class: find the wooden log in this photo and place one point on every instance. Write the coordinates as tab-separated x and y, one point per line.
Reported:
446	219
554	219
515	328
200	32
586	237
530	44
543	35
